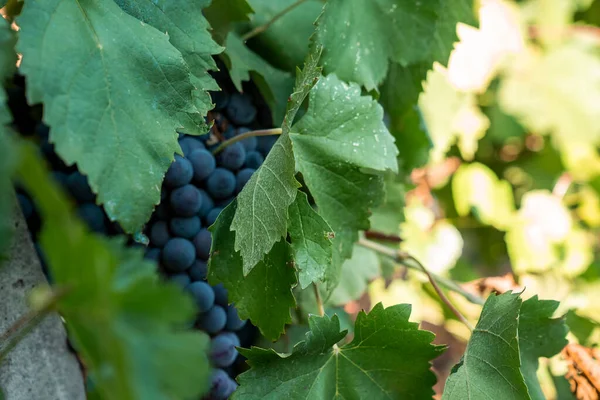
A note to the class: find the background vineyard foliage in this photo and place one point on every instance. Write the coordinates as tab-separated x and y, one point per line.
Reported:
464	135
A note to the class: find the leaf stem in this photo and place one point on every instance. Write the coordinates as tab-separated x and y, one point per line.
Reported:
261	28
319	300
26	323
262	132
411	262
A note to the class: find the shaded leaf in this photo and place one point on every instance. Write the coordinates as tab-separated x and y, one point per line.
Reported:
355	275
368	367
265	294
223	14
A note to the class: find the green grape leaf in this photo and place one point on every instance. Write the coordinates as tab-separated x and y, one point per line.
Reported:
368	367
125	89
490	367
223	14
581	327
262	213
356	272
276	44
121	317
555	92
265	294
387	217
8	59
341	134
274	84
311	241
540	335
189	32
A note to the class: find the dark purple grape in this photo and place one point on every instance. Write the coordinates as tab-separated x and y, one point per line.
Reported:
232	157
265	144
240	109
93	217
182	279
186	201
185	227
214	320
203	295
179	173
178	254
212	216
159	234
207	204
189	144
222	350
220	295
229	132
242	177
222	386
254	159
220	184
203	163
198	270
248	143
79	188
234	322
202	242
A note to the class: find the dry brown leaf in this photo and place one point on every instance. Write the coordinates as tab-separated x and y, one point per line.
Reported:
583	371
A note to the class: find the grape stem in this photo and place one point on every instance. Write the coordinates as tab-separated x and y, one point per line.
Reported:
261	28
262	132
411	262
25	324
319	300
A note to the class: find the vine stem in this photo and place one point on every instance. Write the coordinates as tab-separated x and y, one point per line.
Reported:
26	323
411	262
260	29
262	132
319	300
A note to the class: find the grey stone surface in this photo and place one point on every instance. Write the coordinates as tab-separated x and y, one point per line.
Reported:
40	367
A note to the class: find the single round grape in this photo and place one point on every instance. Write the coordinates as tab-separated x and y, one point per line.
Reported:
203	163
178	254
159	234
212	216
240	109
220	184
222	350
79	187
214	320
254	159
202	242
153	254
234	338
242	177
203	295
179	173
265	144
248	143
26	205
189	144
185	227
222	386
221	295
220	98
186	201
181	279
232	157
198	271
207	204
93	217
234	322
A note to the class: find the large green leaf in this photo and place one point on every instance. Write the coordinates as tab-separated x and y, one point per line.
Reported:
311	241
387	217
262	213
389	357
126	324
125	89
265	294
341	134
274	84
189	32
490	368
540	335
276	44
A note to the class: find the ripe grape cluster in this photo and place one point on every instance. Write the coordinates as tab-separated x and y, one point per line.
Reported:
196	188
